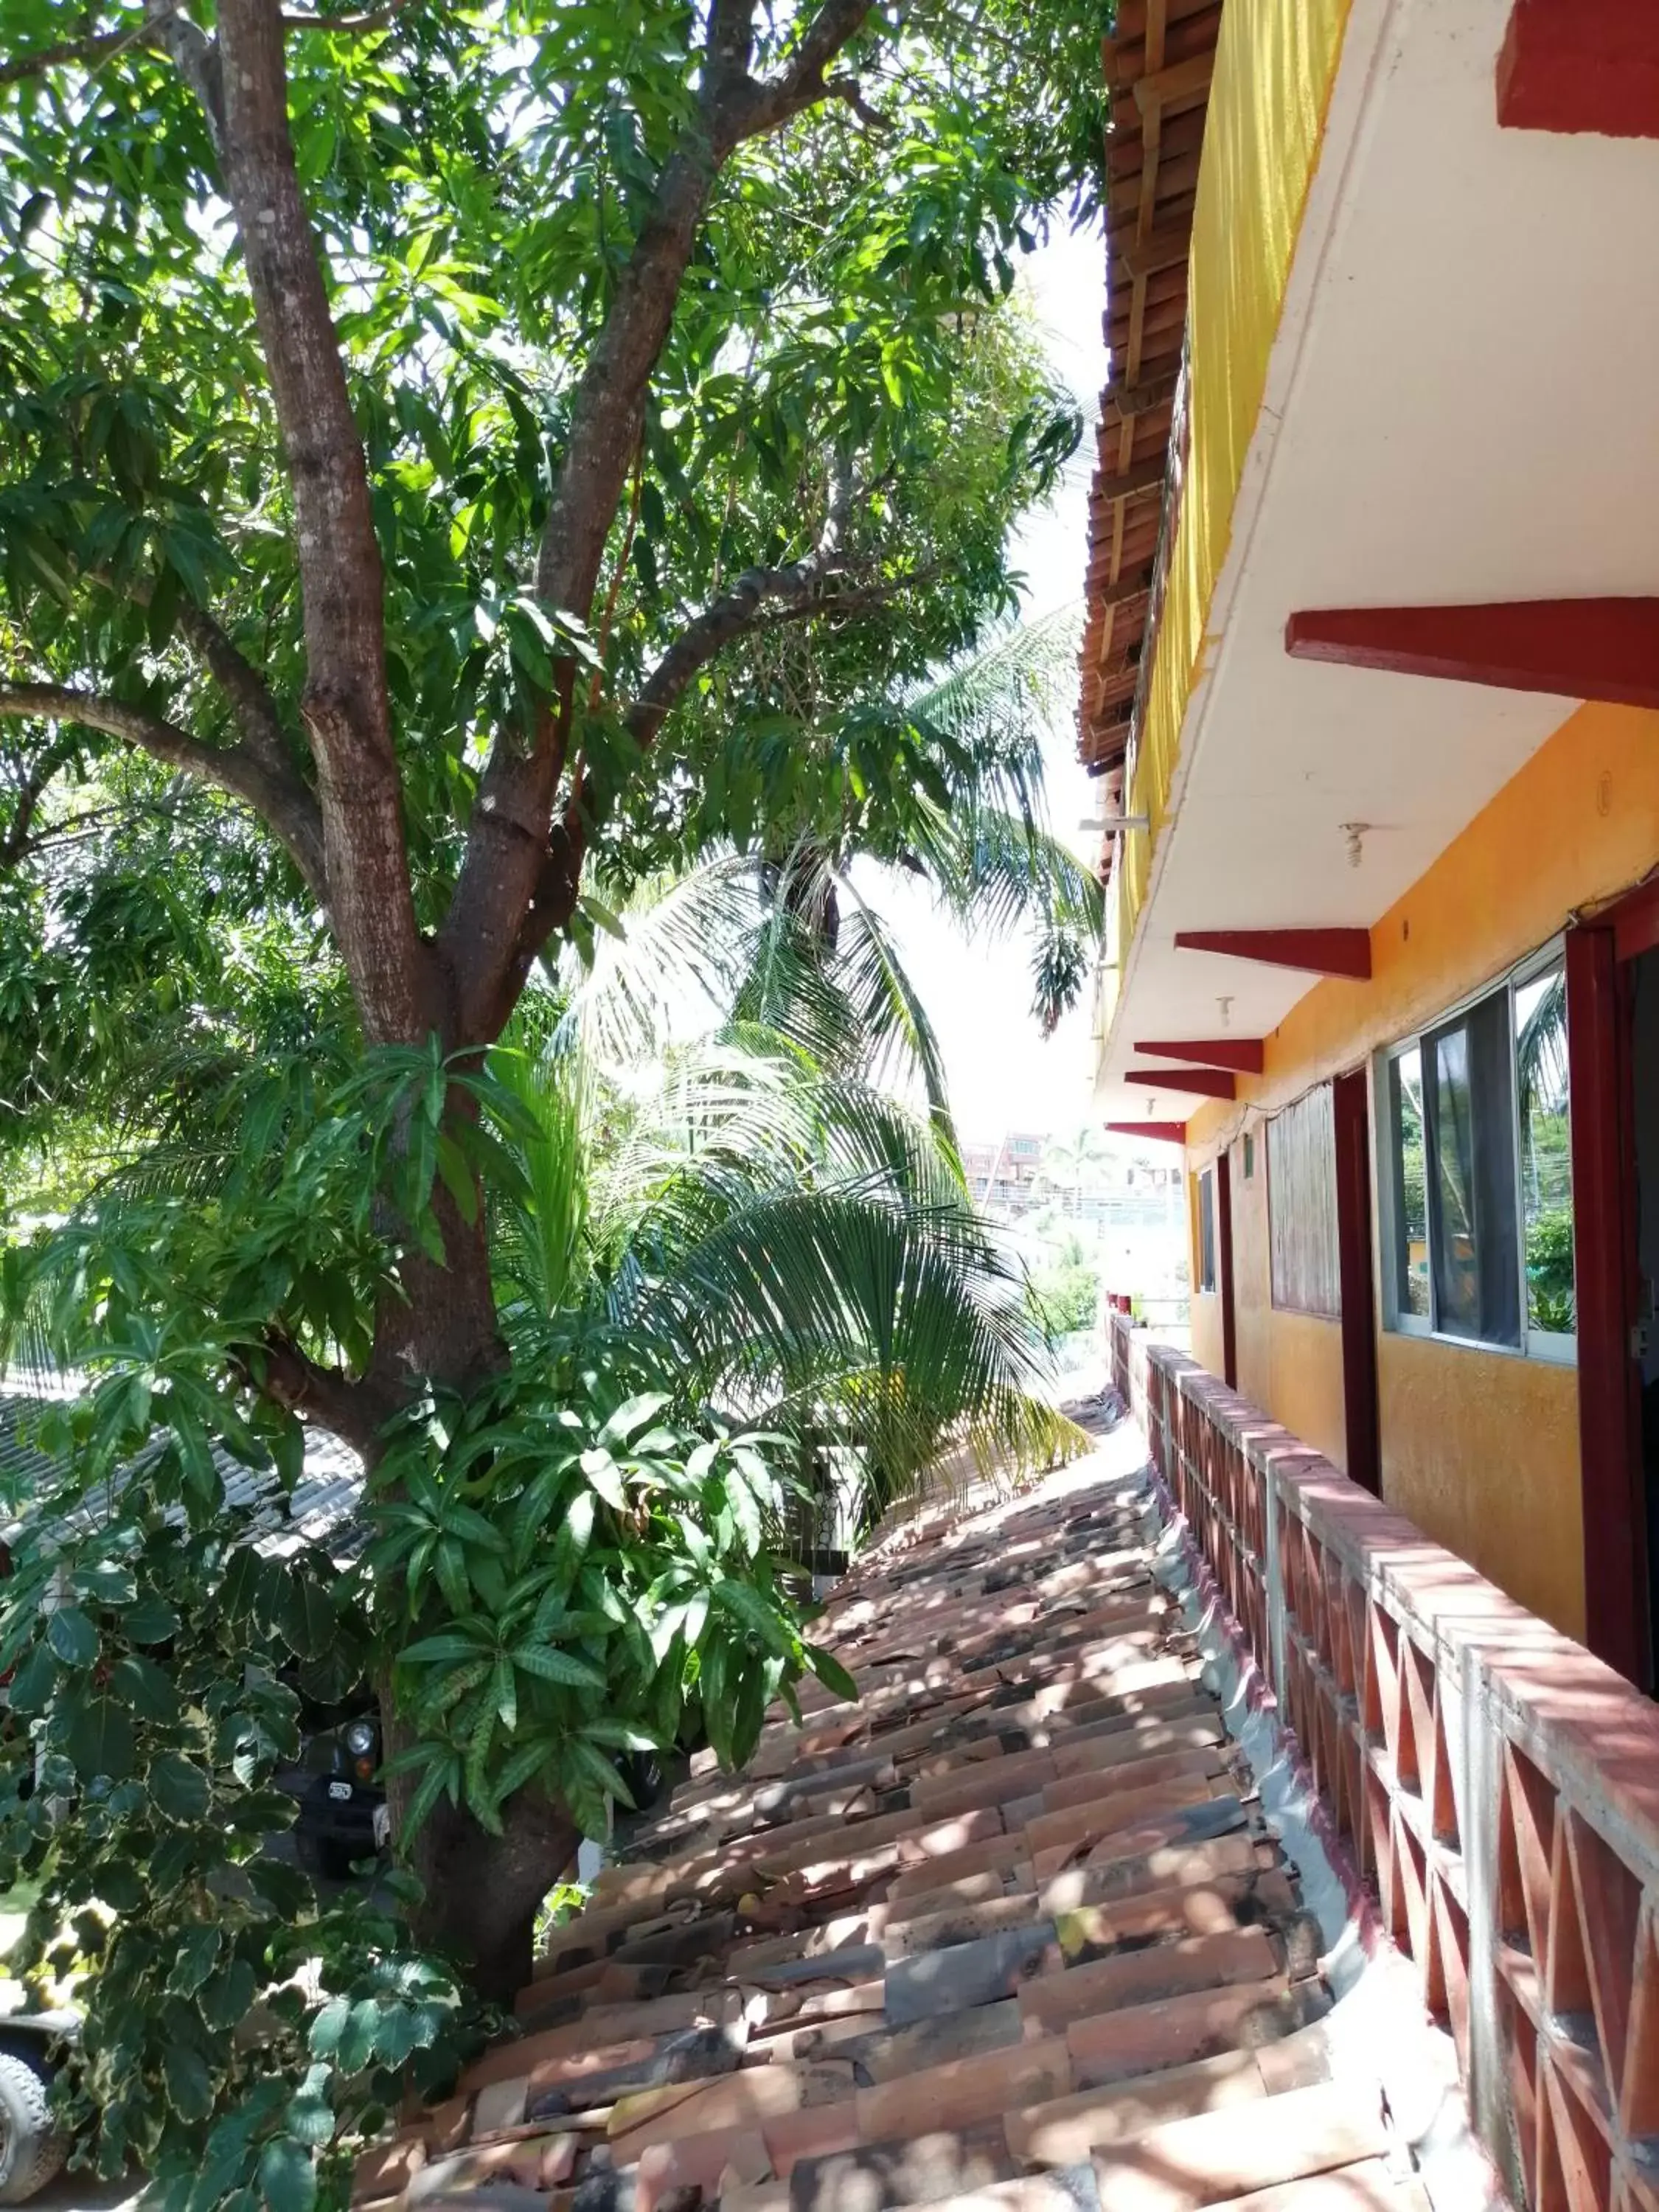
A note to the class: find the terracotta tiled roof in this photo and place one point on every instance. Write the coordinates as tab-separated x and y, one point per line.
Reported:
1011	1930
1159	62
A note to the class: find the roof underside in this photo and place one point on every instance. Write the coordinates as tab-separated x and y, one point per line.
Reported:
1460	408
1158	65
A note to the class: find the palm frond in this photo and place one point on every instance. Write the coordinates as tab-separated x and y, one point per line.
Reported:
890	1014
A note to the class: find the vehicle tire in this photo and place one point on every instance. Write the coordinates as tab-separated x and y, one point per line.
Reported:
32	2149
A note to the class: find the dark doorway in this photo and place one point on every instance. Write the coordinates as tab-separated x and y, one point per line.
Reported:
1613	1047
1224	1223
1351	1118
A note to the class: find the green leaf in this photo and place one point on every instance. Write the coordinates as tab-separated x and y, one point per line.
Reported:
143	1685
605	1476
72	1636
225	2000
631	1416
744	1603
330	2026
356	2046
193	1959
35	1680
831	1672
190	2084
181	1791
288	2176
150	1620
100	1740
310	2119
550	1664
443	1774
305	1616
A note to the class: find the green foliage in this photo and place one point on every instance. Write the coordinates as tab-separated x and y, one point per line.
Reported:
583	1558
672	1307
1550	1298
475	177
161	1658
1065	1294
557	1573
572	1570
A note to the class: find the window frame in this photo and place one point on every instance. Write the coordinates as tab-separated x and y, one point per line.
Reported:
1209	1259
1556	1348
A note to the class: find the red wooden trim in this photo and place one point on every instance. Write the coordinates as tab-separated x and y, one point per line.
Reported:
1633	919
1223	1267
1244	1054
1580	65
1604	1268
1155	1132
1351	1112
1207	1082
1326	951
1572	648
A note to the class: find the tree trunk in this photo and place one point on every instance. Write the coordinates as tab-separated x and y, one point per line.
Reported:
483	1892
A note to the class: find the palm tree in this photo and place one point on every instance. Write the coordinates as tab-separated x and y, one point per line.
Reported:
795	1248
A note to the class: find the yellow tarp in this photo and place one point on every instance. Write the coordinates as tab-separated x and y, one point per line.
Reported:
1275	63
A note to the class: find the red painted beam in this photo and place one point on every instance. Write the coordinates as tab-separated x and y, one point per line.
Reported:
1580	65
1326	951
1208	1082
1245	1054
1572	648
1155	1132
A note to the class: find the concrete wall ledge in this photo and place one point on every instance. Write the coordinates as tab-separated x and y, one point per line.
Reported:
1496	1785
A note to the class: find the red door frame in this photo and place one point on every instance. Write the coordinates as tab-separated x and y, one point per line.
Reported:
1607	1277
1351	1116
1224	1262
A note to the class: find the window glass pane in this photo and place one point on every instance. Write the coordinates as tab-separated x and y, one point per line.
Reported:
1468	1114
1541	1074
1411	1192
1206	1229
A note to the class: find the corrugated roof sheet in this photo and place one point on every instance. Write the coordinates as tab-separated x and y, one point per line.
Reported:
324	1504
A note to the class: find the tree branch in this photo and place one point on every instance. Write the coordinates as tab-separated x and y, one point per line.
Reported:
284	803
516	870
344	705
848	90
349	1410
31	783
739	609
371	19
250	699
99	46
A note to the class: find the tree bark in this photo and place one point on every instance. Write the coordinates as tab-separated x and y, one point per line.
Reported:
483	1891
345	706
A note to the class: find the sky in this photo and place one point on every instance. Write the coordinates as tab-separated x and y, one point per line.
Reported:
1003	1073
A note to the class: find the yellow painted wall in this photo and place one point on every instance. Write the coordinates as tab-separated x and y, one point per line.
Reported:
1275	63
1206	1328
1479	1448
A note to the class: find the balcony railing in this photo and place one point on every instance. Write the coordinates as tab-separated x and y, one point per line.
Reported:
1497	1787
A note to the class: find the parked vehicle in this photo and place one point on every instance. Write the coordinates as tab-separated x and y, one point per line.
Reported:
32	2147
344	1817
